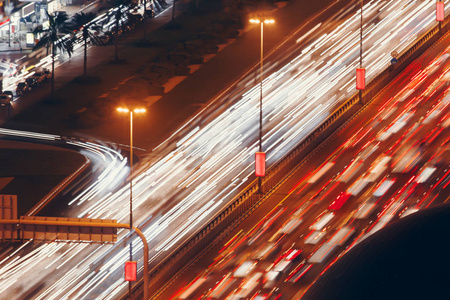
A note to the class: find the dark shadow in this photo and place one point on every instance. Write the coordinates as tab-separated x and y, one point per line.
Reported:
88	80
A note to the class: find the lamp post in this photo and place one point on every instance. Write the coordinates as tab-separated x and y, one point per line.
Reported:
260	156
440	14
131	111
361	72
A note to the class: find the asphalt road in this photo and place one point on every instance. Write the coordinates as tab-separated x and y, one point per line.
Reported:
185	156
408	124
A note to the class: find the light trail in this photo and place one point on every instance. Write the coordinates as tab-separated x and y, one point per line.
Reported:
216	150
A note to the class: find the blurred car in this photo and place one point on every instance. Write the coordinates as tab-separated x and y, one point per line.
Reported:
339	201
266	251
322	220
287	260
315	236
5	99
245	268
22	87
270	279
298	272
268	294
249	284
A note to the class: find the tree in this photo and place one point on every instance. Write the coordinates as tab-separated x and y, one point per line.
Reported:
82	21
119	13
56	38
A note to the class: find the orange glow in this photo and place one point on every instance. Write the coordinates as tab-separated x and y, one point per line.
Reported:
257	21
123	109
135	110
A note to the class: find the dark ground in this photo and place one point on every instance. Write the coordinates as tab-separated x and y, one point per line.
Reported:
35	171
408	260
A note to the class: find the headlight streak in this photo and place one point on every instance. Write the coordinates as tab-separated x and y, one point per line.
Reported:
28	134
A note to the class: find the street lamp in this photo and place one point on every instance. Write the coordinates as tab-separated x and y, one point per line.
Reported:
131	111
361	72
260	159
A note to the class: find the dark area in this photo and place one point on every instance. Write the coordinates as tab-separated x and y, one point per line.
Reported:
35	172
30	189
407	260
28	162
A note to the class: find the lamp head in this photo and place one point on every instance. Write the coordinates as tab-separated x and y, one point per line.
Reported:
136	110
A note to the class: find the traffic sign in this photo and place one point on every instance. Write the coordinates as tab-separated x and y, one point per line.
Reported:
65	229
8	210
394	54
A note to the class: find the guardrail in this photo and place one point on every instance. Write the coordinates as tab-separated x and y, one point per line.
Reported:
248	200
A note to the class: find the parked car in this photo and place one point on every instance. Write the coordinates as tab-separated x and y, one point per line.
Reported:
22	87
104	39
31	82
149	13
9	93
5	99
47	73
39	76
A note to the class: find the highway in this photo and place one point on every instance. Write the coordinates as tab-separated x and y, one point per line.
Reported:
390	162
189	177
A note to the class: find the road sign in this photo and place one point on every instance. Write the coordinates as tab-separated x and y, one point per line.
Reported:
394	54
394	61
8	210
68	229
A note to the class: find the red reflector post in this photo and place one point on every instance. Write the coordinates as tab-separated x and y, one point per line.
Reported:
440	11
130	271
360	79
260	164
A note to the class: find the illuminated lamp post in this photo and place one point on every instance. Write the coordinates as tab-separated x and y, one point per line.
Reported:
130	266
440	14
361	72
260	156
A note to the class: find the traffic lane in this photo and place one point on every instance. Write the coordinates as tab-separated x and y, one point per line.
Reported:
264	209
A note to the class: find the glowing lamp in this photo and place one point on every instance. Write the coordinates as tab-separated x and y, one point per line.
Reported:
130	271
260	164
440	11
360	79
